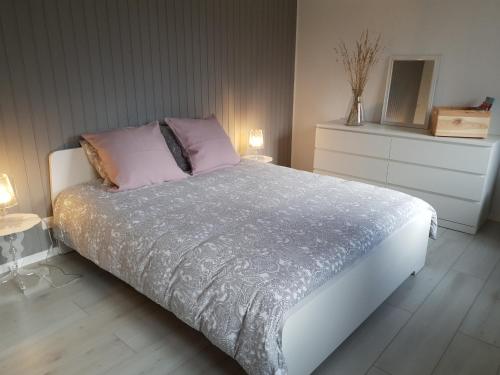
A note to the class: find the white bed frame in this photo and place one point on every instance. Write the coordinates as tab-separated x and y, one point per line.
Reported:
315	327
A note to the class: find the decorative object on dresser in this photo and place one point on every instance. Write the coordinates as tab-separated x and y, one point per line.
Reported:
409	91
460	122
357	63
455	175
486	105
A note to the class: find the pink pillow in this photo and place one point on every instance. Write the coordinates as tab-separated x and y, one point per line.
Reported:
207	145
135	157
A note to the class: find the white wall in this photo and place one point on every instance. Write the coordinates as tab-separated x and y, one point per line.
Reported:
465	33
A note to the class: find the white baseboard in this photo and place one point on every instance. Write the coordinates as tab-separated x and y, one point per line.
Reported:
33	258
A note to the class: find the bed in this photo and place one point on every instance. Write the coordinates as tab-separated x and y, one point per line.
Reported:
274	266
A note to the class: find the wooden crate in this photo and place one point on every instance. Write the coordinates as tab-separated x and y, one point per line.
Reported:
459	122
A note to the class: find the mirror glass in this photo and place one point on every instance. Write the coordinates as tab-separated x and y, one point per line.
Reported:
409	91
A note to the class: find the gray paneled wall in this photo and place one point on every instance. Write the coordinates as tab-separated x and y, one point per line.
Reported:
74	66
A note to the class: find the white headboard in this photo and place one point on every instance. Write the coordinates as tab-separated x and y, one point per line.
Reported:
68	168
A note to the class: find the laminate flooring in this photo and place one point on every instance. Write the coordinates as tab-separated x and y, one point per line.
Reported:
443	321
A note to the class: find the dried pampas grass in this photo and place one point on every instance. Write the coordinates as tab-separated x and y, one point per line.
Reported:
359	61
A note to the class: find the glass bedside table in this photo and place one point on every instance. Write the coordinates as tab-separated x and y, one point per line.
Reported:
10	227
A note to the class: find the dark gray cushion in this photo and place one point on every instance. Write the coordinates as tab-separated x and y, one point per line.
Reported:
175	148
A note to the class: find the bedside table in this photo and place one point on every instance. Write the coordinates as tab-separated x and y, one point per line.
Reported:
259	158
10	226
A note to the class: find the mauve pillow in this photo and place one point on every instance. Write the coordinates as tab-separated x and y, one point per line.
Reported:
206	143
135	157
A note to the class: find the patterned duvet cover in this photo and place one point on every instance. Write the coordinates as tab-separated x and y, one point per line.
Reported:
229	252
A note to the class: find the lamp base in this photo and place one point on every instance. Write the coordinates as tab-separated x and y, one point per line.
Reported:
258	158
255	157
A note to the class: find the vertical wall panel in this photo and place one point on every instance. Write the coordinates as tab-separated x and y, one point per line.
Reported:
96	69
210	59
72	66
137	59
59	66
81	44
154	35
147	62
12	97
39	122
164	58
186	14
117	62
218	48
103	38
173	76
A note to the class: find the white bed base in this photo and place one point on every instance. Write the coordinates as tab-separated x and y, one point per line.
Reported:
314	328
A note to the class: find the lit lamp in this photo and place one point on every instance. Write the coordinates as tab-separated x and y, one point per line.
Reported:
256	142
7	195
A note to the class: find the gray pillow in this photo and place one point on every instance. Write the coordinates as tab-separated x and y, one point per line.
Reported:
175	148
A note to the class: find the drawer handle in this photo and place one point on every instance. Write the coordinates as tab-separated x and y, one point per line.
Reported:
457	121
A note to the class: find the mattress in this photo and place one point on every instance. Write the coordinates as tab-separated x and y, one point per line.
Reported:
231	251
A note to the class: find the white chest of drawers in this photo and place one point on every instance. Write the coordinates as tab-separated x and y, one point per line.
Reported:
455	175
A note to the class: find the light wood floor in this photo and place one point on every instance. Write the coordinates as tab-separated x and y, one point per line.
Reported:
445	320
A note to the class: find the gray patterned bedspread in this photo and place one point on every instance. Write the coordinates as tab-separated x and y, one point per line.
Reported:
229	252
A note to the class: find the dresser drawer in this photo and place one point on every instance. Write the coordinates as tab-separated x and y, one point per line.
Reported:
451	209
458	157
450	183
354	143
351	165
349	178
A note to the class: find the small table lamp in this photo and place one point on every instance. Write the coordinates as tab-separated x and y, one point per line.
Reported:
255	143
7	195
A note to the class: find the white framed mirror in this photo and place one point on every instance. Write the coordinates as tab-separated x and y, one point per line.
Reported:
409	91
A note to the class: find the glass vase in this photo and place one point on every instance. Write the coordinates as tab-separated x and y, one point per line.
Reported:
355	115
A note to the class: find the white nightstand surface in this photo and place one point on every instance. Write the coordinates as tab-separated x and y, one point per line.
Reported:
259	158
17	223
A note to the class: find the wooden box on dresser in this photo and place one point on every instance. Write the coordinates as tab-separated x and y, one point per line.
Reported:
455	175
